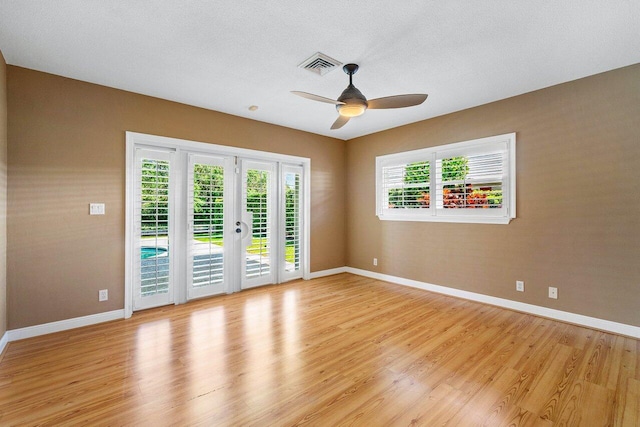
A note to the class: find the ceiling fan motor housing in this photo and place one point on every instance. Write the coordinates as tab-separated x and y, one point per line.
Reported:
355	103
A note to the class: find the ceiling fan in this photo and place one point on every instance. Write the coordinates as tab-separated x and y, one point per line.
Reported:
352	103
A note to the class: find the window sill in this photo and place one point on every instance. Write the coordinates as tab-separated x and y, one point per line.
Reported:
452	219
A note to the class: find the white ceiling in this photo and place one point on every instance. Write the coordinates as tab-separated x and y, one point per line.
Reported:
227	55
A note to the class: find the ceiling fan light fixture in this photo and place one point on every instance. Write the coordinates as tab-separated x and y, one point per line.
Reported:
352	103
351	110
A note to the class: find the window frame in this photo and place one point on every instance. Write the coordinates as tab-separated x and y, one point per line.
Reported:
505	144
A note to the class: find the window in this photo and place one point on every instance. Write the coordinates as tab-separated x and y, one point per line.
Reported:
470	181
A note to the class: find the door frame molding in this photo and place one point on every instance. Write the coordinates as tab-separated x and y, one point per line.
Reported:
182	147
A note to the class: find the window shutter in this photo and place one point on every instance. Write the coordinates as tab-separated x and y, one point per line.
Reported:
407	185
292	181
257	190
153	214
471	181
205	205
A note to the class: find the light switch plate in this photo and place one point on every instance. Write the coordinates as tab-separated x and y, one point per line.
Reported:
96	208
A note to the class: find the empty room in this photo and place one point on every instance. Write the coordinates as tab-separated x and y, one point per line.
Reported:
362	213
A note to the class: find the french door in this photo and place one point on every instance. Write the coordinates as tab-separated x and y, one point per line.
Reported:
206	223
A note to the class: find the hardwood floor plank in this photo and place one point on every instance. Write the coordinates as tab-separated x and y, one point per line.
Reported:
502	408
626	372
483	398
631	411
519	417
564	384
437	407
595	367
339	350
401	396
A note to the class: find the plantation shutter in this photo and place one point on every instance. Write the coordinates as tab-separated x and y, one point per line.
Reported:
258	195
292	190
206	200
153	210
472	181
407	185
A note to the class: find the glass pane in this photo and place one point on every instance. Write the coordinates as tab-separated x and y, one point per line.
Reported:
471	182
208	215
154	227
454	169
407	186
470	196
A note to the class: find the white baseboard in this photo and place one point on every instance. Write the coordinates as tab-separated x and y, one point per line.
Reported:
564	316
4	341
62	325
330	272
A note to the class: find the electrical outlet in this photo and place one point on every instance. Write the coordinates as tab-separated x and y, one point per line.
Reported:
553	292
375	261
519	286
103	294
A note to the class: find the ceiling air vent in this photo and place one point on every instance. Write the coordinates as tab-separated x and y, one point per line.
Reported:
320	63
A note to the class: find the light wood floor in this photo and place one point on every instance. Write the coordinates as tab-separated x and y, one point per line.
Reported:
342	350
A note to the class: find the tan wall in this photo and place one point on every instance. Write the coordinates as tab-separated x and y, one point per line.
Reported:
67	149
3	195
578	202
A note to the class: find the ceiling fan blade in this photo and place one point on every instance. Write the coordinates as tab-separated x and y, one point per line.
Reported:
316	97
340	121
397	101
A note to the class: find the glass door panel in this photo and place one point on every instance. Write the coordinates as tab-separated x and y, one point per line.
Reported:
153	285
257	242
207	199
292	224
